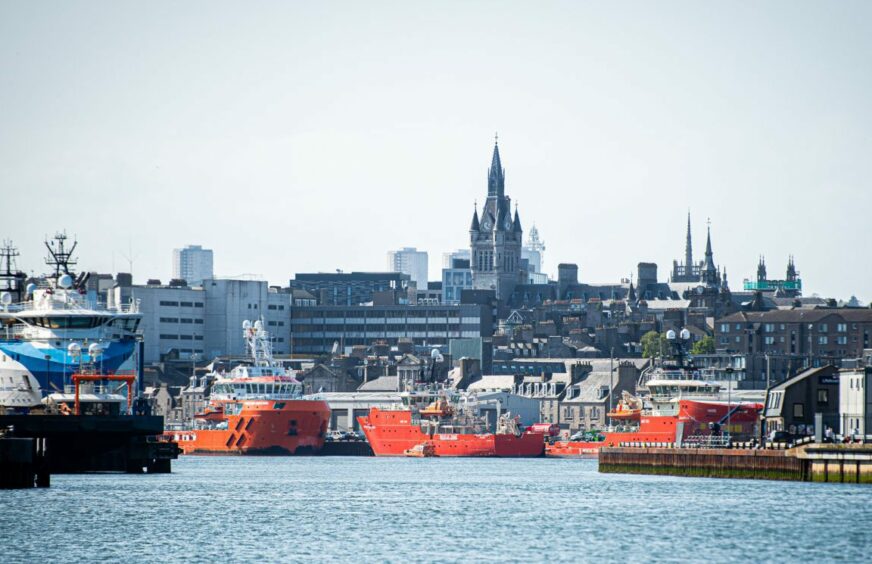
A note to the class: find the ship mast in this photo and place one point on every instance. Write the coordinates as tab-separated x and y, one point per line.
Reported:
60	258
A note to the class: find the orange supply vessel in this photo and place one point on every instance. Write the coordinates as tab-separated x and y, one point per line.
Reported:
256	409
685	406
435	424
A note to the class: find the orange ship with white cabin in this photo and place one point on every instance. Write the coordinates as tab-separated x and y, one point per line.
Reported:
256	409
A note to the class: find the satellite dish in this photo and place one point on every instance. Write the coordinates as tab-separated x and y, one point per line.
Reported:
258	325
6	298
246	324
95	349
74	349
670	335
685	334
65	282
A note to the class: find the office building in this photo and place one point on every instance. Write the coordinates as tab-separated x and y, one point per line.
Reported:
192	264
411	261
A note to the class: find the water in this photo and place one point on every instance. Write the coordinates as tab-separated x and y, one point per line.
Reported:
380	509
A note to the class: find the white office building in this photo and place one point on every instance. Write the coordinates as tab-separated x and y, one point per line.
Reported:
183	321
411	261
192	264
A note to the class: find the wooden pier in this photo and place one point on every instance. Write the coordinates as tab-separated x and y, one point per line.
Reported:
812	462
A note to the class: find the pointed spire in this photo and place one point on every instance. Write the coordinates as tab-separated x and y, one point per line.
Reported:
631	295
709	274
688	247
496	174
516	223
475	225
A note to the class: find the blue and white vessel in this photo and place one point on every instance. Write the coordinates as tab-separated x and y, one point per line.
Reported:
51	329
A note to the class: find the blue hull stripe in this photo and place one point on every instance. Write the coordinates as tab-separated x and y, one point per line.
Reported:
53	373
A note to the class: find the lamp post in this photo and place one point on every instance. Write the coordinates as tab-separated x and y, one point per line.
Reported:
729	397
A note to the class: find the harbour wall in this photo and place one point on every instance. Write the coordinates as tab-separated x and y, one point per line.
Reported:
814	462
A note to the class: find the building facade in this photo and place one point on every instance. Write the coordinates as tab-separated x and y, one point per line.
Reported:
193	264
411	261
317	330
353	288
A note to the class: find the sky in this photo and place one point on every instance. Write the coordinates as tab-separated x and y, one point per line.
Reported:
300	137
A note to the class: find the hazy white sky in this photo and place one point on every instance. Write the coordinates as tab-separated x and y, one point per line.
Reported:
297	137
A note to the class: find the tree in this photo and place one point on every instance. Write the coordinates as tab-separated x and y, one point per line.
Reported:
653	343
706	345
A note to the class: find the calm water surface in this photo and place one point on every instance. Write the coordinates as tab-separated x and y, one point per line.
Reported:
377	509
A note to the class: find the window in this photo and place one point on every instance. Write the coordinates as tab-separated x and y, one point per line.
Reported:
169	319
173	337
271	307
725	327
822	327
198	321
842	327
798	411
842	339
198	337
169	304
198	304
823	396
187	304
184	320
769	327
769	340
822	340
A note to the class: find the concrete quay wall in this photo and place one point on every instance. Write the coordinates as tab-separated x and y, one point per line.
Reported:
814	462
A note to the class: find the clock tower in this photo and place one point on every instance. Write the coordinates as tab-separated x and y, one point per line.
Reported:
495	237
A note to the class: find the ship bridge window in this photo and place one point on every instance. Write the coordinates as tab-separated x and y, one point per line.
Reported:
70	322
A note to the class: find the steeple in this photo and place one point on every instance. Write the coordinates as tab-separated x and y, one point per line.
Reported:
516	223
761	270
791	269
709	274
496	175
475	224
631	294
688	247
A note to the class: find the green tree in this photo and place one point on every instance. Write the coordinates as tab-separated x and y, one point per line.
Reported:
706	345
653	343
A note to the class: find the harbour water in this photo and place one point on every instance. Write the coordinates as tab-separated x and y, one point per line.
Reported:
376	509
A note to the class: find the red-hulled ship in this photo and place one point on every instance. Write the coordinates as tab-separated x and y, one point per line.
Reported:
686	407
256	409
430	423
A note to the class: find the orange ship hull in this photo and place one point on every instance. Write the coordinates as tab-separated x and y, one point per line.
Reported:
391	433
266	427
695	415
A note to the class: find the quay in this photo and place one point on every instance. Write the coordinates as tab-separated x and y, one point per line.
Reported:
76	444
814	462
23	464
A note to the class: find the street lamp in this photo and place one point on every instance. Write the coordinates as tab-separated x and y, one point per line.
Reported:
729	372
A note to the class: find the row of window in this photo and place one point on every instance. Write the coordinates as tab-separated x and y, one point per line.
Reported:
181	337
771	327
274	307
275	323
169	303
180	320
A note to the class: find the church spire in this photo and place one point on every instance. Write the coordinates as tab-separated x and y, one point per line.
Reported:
688	247
475	224
496	174
709	274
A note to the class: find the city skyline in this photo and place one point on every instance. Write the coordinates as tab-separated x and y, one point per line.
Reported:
221	150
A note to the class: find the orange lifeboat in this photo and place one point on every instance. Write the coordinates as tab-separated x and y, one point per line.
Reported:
211	414
439	408
629	408
422	450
